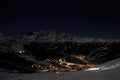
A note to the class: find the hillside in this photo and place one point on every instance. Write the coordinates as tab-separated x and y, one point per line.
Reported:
48	51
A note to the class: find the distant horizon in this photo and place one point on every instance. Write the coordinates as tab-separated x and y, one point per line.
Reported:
78	35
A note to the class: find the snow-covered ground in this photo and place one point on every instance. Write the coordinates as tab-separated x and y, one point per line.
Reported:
107	71
115	64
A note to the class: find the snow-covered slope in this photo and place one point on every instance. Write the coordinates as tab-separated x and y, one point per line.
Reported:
111	65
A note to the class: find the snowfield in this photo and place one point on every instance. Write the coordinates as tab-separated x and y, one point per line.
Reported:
107	71
115	64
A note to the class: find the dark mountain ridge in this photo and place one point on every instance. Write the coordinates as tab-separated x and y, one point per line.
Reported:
33	47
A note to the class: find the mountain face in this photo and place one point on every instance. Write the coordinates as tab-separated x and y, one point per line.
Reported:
33	51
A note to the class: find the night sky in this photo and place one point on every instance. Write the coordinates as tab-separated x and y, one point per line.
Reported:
85	19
